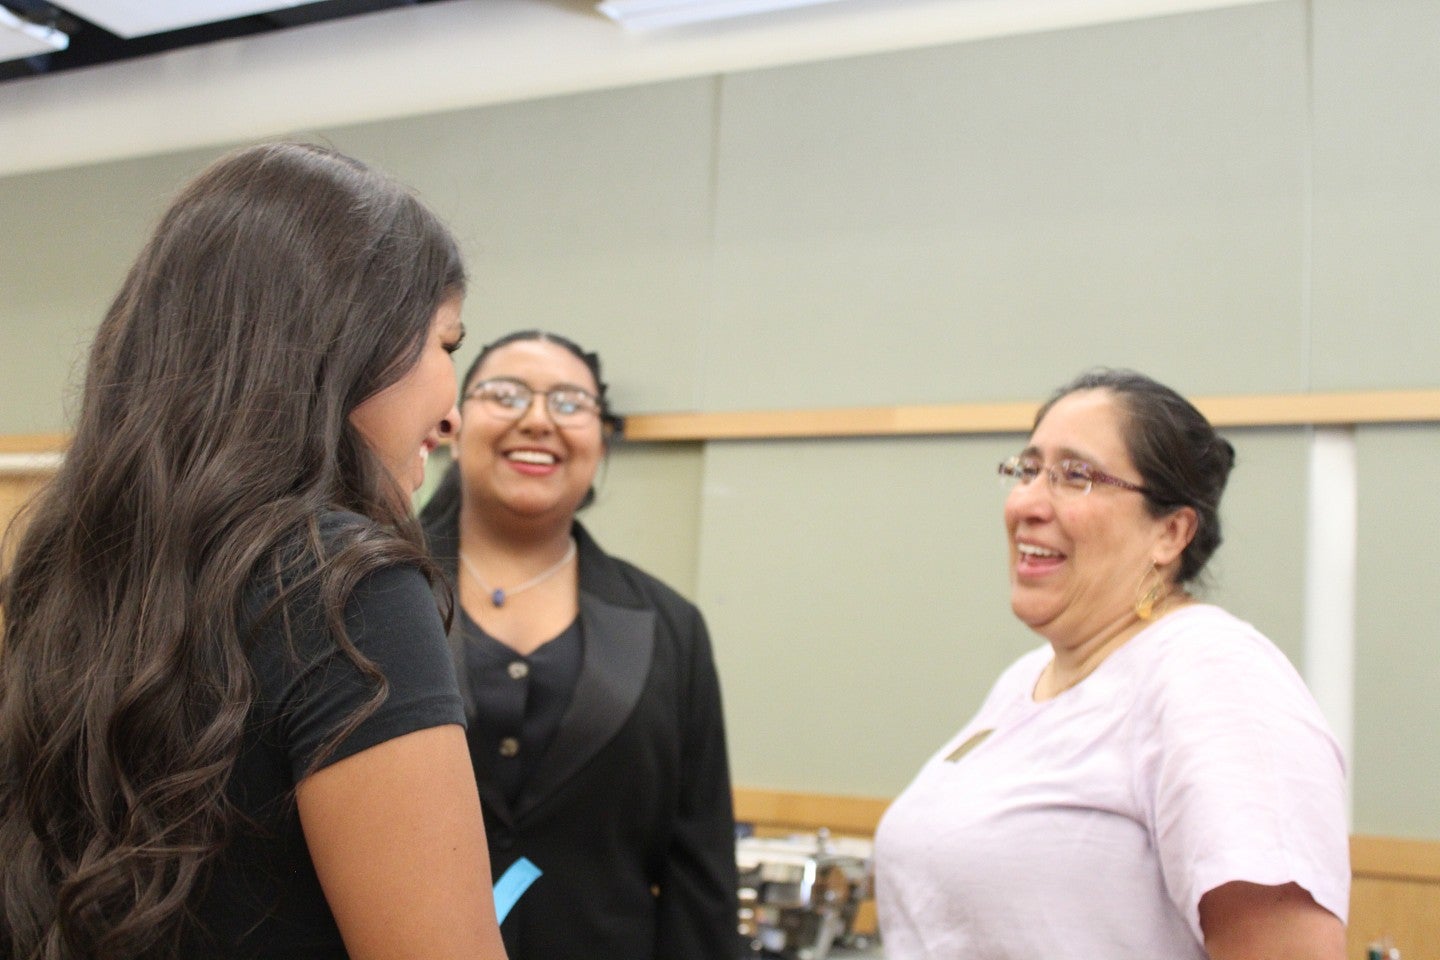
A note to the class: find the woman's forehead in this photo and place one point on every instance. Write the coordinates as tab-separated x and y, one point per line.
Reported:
543	361
1089	423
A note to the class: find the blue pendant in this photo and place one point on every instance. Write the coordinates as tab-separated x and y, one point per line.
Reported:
497	597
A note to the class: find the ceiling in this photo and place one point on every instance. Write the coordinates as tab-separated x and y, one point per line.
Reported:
92	32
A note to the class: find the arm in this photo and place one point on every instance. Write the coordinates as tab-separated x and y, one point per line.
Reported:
398	842
697	916
1248	921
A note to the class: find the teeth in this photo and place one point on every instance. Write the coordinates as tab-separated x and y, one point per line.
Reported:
1030	550
532	456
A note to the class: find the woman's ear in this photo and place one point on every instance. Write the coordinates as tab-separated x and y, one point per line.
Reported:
612	428
1177	529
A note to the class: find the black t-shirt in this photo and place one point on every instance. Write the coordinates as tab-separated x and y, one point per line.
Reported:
264	899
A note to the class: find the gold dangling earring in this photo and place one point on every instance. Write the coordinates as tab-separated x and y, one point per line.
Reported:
1150	599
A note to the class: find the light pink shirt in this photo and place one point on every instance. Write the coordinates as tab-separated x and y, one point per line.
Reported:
1090	825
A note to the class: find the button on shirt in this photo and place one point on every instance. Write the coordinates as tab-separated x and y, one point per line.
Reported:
519	701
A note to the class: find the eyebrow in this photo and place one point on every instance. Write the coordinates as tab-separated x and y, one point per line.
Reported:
533	389
1065	453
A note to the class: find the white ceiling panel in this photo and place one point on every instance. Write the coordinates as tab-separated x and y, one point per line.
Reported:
139	18
19	39
657	14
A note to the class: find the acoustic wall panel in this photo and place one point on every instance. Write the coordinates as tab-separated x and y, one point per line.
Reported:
979	222
68	238
1397	713
587	215
1376	194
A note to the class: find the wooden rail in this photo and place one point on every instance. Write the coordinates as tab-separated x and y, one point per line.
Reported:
780	811
33	443
1260	410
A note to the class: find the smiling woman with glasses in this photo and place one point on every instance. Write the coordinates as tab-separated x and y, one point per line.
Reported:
593	702
1152	781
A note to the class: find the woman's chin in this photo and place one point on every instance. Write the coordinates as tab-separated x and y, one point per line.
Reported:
1031	611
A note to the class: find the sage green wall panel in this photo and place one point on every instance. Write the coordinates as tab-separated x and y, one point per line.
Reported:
647	509
1258	573
1377	194
978	222
857	594
1397	711
588	215
68	238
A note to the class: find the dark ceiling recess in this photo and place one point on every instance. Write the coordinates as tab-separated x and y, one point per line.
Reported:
91	45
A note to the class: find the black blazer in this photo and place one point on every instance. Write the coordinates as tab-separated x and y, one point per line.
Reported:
628	813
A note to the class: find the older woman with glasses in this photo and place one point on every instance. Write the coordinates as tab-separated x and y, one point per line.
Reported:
593	702
1153	781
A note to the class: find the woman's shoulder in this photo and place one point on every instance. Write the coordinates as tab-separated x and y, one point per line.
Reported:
295	576
1206	653
618	580
1017	681
1026	667
335	521
339	528
1202	632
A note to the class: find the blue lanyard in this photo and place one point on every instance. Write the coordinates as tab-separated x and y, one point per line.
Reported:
512	883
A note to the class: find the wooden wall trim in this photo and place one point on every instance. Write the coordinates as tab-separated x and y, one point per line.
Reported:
33	442
847	422
1395	858
1260	410
809	811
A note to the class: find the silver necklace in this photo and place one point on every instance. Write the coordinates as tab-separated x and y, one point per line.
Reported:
499	595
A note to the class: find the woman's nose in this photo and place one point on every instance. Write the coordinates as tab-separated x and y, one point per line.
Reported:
1031	499
537	414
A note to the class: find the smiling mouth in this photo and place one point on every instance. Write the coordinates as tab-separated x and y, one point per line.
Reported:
535	457
1029	550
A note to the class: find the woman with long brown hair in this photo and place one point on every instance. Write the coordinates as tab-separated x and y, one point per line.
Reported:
224	670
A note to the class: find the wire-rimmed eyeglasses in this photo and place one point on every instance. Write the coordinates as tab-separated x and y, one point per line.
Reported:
1074	477
508	399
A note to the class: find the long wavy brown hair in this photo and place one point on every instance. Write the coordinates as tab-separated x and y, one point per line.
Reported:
284	285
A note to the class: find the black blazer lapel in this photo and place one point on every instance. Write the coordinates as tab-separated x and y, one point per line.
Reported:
619	643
